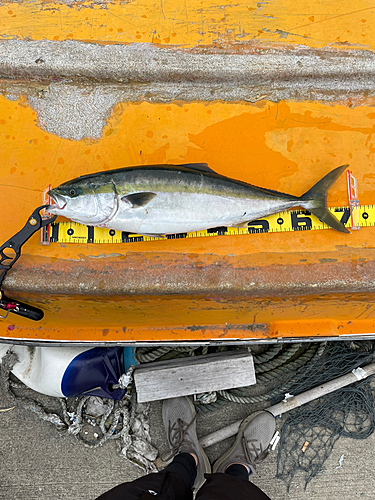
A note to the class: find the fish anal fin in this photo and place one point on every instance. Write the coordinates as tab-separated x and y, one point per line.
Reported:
199	167
138	199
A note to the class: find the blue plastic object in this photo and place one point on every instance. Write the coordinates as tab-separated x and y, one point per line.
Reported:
129	358
94	372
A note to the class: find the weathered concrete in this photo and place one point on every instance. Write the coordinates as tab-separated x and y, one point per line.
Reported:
68	83
40	464
136	273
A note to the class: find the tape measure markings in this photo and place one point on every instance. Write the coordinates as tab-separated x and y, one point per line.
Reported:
291	220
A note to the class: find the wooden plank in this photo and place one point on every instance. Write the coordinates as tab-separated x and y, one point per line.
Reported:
185	376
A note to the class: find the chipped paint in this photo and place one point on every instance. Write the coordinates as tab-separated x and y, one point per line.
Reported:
227	277
75	112
77	85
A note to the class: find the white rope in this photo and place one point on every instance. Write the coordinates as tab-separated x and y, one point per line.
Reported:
124	421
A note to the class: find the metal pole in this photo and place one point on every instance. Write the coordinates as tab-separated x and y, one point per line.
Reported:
295	402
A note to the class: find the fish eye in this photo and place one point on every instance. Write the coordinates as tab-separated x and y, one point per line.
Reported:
72	192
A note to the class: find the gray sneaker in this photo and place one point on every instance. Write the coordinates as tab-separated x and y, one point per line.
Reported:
179	422
252	442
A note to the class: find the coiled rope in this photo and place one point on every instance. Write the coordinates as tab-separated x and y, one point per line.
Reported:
311	354
124	421
276	366
150	354
269	354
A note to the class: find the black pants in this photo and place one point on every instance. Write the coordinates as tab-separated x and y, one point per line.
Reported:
176	481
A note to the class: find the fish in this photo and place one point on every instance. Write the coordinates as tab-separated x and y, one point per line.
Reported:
157	200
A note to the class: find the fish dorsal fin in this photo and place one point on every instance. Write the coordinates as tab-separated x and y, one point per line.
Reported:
199	167
138	199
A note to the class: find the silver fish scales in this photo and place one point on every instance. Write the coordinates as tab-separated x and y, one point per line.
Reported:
169	199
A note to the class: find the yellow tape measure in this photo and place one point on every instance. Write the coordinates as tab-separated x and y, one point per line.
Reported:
291	220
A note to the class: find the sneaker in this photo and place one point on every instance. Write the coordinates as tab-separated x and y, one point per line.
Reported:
180	426
252	442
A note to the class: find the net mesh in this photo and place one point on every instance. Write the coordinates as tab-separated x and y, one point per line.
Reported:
337	359
309	432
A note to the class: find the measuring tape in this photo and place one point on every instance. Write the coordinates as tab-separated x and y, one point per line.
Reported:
291	220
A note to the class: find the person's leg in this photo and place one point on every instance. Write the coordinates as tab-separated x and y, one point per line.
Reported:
238	470
184	472
221	486
173	483
179	423
184	466
230	479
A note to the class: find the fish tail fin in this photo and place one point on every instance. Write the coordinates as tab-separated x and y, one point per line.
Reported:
315	200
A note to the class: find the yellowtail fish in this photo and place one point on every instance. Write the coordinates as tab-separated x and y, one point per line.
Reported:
169	199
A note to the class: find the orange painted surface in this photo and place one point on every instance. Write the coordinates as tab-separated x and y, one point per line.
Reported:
286	146
189	24
145	319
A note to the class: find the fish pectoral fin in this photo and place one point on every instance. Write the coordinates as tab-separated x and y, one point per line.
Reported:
138	199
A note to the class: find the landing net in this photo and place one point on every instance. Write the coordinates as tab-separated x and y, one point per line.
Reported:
308	433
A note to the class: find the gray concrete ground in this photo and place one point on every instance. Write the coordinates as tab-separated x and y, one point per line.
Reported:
39	463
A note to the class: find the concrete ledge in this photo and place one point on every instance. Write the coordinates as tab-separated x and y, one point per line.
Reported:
73	86
238	72
149	274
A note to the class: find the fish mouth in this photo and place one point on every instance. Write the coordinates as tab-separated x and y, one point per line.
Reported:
59	201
